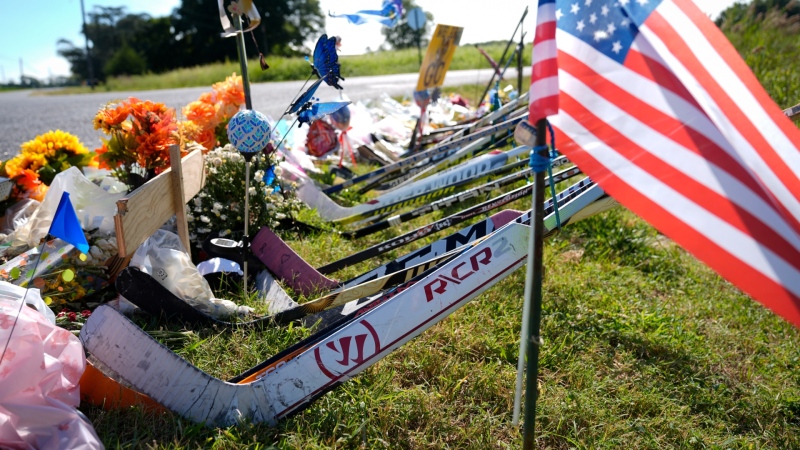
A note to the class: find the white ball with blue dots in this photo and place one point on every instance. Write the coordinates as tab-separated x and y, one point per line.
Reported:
248	131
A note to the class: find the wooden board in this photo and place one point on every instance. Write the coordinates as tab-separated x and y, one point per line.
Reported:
146	209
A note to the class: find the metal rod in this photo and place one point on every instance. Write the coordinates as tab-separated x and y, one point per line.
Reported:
246	238
88	52
533	291
491	80
519	59
240	48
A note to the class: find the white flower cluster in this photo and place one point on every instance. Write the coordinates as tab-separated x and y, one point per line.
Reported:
219	206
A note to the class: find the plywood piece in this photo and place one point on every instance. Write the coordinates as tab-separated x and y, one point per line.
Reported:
177	195
144	210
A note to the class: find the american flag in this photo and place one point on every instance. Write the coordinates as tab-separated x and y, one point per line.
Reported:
659	109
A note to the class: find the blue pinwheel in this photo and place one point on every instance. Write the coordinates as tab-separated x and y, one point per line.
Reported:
314	111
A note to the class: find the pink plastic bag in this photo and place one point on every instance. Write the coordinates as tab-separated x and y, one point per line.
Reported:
39	389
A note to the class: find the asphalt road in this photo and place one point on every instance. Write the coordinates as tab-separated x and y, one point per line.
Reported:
25	114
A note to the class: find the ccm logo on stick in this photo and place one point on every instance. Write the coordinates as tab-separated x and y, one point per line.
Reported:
459	273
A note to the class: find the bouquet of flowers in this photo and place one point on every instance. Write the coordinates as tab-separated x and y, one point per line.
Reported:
139	136
40	160
219	207
209	116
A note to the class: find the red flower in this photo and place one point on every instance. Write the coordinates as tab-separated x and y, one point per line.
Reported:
72	317
86	313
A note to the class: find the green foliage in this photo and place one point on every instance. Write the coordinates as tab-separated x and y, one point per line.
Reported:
60	162
766	33
125	61
296	68
189	36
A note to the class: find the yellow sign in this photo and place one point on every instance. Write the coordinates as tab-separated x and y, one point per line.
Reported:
437	59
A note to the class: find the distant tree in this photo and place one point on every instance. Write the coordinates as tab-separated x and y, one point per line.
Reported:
125	61
402	35
286	25
108	29
189	36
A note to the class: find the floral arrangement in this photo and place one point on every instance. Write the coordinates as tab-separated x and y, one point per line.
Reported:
219	206
139	136
40	160
208	117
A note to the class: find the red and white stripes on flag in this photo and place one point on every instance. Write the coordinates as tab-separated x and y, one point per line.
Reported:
673	124
543	100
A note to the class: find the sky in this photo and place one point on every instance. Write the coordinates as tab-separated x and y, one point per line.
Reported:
30	29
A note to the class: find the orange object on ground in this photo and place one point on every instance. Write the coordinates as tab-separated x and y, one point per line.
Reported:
100	390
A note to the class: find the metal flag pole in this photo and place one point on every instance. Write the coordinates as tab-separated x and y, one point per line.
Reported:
532	309
240	48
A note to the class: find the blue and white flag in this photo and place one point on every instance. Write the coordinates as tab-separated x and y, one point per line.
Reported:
388	15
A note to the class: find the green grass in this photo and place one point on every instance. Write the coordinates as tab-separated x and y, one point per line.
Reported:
283	69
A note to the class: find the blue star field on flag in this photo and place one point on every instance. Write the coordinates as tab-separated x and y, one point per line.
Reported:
610	26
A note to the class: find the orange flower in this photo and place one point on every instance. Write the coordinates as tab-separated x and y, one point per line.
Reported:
30	182
201	113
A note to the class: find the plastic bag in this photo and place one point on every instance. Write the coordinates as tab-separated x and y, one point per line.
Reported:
32	298
39	388
163	257
94	207
18	214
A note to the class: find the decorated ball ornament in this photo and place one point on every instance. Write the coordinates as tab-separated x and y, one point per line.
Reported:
525	134
341	118
248	131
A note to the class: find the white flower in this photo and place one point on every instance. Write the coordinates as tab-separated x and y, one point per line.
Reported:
205	219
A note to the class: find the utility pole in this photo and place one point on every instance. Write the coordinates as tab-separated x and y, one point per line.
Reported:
21	74
88	52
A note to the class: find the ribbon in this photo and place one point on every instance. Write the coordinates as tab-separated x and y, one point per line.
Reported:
345	142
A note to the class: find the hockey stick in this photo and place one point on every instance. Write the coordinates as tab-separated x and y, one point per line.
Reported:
427	230
292	379
459	179
421	191
418	157
447	202
293	270
793	112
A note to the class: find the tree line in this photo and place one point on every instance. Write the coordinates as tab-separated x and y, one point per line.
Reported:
132	44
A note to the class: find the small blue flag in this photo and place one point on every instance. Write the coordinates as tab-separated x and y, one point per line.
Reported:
66	225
